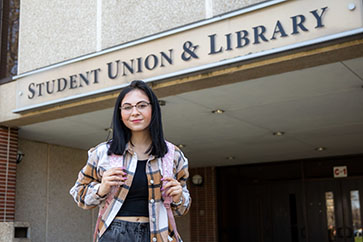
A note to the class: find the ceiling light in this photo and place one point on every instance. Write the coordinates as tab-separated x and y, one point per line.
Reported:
162	103
230	158
320	149
278	133
218	111
181	146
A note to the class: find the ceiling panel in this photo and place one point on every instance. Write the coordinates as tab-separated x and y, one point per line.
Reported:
356	66
289	86
314	112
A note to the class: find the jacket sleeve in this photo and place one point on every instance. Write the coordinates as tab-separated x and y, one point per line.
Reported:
85	189
182	174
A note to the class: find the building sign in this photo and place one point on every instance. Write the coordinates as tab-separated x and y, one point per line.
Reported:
233	39
340	171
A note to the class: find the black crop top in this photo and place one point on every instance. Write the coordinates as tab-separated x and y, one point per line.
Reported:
136	202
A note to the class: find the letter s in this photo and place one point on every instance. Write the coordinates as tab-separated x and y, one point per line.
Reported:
31	90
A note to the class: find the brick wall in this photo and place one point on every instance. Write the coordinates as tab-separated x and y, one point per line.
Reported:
203	212
8	152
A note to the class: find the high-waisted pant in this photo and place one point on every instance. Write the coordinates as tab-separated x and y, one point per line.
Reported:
124	231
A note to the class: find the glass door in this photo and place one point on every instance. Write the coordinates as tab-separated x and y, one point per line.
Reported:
324	211
352	197
334	210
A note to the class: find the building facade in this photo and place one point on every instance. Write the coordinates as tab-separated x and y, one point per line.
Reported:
263	97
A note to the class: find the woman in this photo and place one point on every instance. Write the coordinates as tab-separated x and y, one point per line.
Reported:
124	175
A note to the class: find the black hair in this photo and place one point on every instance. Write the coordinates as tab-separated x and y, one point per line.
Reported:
121	135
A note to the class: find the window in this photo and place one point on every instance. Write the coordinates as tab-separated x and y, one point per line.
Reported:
9	39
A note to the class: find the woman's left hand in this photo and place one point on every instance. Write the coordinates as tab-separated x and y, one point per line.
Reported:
175	189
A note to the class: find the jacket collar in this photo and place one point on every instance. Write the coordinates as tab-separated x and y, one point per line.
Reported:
130	150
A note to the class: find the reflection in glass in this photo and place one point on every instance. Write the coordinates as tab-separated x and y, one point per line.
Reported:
357	225
329	201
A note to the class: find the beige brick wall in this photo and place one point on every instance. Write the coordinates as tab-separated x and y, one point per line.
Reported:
44	178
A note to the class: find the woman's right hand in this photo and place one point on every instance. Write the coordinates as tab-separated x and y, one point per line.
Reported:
112	177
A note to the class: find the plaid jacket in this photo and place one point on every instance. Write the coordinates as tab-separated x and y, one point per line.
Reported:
85	189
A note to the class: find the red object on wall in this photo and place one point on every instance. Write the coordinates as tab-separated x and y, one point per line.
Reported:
8	153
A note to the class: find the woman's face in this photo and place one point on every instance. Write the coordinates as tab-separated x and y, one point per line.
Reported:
136	110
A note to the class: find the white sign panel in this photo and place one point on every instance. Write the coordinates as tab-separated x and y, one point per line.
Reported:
340	171
255	33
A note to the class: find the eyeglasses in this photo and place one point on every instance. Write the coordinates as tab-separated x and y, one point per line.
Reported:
140	106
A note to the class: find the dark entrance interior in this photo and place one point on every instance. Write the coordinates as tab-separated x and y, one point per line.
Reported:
291	201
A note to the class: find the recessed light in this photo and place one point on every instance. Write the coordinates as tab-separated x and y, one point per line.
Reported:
218	111
230	158
320	149
181	146
278	133
162	103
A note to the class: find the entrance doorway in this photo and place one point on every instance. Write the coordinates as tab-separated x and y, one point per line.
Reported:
334	210
295	201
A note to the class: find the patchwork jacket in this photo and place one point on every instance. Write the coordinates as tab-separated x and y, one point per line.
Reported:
89	179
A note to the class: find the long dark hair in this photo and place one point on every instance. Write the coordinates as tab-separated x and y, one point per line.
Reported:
121	135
